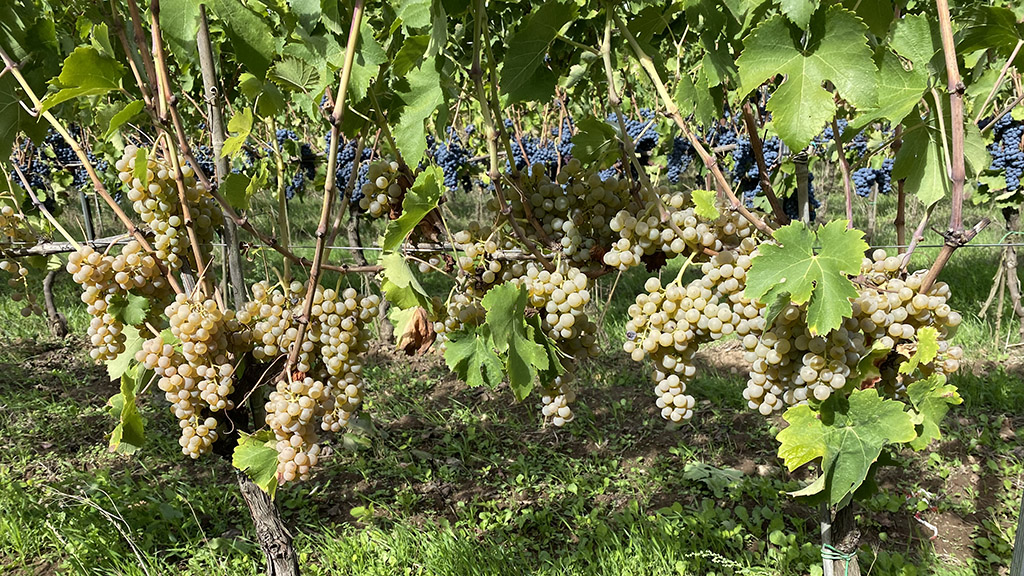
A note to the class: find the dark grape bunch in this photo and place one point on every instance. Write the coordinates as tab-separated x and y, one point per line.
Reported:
854	149
791	204
864	179
679	159
1007	150
345	162
453	158
643	132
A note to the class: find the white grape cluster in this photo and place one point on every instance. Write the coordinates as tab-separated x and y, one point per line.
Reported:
790	365
105	278
197	371
13	229
669	323
327	386
573	210
641	231
383	192
158	204
561	298
479	268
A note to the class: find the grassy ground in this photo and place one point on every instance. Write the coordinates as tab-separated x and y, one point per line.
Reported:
440	479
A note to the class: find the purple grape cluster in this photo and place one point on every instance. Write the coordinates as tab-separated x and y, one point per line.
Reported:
452	157
680	158
865	178
854	149
1007	150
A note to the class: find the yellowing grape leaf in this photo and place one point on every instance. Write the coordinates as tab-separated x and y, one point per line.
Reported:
927	348
848	434
256	455
704	203
506	318
470	354
820	279
241	126
931	399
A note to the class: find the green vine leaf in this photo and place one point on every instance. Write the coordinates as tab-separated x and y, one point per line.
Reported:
704	204
506	319
848	435
927	348
256	455
821	280
400	285
411	54
915	39
837	51
899	92
413	13
240	126
799	12
133	340
179	24
920	163
141	169
129	434
421	93
523	76
419	200
85	72
130	310
126	113
470	355
253	40
595	142
931	399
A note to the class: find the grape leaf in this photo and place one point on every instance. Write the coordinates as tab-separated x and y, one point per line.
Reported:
927	348
413	13
837	51
419	200
241	125
410	55
233	189
130	310
506	318
799	12
295	74
470	354
920	163
369	56
848	435
179	24
129	435
899	91
704	202
133	340
85	72
775	307
555	355
252	39
123	115
141	169
256	455
523	76
594	142
400	285
931	399
421	94
914	38
821	280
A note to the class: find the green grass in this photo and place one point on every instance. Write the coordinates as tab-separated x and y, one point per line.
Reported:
440	479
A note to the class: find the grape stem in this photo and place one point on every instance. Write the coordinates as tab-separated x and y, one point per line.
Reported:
302	320
118	25
758	148
999	80
955	235
216	124
87	165
673	112
283	229
844	167
477	74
